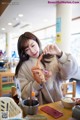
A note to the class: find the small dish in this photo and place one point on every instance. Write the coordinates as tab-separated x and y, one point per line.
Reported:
68	102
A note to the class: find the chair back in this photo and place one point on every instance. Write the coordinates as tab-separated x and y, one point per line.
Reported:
6	81
69	88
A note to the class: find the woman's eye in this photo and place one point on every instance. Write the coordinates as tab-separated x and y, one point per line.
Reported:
33	45
26	50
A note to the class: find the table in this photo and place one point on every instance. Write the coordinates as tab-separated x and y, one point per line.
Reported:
67	113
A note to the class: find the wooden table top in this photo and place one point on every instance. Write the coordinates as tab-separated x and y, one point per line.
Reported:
67	113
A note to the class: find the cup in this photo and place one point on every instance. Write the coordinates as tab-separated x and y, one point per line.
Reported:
76	112
30	109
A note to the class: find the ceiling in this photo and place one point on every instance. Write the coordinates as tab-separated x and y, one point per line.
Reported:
37	14
3	6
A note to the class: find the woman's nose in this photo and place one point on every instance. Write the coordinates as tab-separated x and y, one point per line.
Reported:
32	50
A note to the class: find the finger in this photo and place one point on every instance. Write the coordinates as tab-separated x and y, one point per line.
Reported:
49	49
35	68
46	49
37	78
78	100
73	99
51	46
38	71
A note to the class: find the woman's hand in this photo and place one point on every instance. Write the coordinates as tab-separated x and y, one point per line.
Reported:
38	75
77	100
41	75
47	74
53	50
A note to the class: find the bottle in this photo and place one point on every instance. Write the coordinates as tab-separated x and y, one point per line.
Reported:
35	104
31	105
33	95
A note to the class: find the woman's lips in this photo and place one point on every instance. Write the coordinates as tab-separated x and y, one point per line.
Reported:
35	54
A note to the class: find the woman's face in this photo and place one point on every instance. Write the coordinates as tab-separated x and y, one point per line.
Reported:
32	48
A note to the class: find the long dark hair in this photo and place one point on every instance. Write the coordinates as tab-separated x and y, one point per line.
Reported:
21	49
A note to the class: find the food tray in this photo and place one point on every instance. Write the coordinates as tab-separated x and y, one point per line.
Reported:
9	109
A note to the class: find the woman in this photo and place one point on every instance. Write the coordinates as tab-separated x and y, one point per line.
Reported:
54	67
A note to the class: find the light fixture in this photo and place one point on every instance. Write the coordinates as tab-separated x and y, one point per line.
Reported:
9	23
20	15
3	28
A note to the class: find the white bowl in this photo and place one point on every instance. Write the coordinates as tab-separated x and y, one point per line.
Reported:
67	102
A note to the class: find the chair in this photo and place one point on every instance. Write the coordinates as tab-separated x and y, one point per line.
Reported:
69	88
14	94
13	90
6	81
